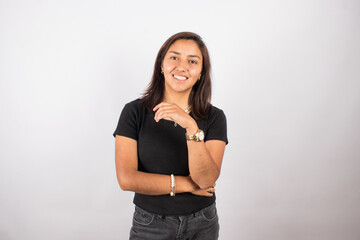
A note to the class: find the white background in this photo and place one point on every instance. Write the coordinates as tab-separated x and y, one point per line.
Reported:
286	74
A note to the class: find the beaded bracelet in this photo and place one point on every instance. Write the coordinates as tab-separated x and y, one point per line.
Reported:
172	180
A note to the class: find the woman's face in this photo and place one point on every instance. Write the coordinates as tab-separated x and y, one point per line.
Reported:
182	66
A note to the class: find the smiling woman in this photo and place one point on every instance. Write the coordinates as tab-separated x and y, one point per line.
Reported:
170	146
181	67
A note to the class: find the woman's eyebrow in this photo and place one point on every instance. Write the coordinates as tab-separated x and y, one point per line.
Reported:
175	52
189	55
195	56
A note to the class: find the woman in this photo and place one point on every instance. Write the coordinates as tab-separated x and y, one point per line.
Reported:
170	145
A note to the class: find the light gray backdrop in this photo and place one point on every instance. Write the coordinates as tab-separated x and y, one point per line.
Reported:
286	73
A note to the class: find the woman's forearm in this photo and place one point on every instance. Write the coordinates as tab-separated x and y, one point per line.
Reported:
154	184
203	169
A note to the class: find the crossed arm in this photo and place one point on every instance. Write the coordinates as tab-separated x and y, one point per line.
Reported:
205	160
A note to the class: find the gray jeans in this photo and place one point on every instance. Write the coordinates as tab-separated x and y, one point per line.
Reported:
202	225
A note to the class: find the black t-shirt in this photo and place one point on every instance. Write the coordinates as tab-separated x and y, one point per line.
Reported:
162	149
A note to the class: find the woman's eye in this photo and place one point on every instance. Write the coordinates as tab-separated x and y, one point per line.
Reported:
173	57
193	62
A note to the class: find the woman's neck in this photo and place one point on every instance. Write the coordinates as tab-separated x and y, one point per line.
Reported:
180	99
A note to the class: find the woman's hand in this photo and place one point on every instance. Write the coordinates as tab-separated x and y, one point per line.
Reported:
207	192
196	190
174	113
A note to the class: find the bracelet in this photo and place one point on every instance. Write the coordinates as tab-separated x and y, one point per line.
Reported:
172	185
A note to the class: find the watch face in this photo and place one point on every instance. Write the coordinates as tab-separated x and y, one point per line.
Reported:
201	135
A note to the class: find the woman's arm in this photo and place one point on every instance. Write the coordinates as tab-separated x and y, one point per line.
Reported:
130	179
205	158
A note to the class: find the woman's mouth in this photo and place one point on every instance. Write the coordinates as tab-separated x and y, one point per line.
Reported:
181	78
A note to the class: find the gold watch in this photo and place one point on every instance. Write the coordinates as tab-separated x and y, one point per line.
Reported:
197	137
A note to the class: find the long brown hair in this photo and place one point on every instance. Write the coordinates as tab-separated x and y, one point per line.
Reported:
200	95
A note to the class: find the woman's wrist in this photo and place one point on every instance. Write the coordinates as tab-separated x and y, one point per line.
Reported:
192	128
185	184
192	185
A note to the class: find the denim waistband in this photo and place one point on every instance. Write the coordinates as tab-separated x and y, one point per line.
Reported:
195	214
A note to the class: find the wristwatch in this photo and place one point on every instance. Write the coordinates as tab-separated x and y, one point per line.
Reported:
197	137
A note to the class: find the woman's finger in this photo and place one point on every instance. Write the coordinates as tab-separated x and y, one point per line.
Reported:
208	194
163	108
203	192
160	105
165	114
158	112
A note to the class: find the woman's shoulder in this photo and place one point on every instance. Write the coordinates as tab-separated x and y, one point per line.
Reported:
216	127
133	107
135	104
215	112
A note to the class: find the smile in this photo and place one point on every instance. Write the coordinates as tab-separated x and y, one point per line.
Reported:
181	78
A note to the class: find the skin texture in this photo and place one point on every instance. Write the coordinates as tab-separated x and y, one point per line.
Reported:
184	60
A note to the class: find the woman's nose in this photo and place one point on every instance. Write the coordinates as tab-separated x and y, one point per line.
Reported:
181	65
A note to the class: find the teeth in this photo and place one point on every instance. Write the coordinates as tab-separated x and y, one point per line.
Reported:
180	77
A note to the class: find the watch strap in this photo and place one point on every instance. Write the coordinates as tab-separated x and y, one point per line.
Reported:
193	137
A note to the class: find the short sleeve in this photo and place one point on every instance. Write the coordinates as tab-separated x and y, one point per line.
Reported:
128	122
216	126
